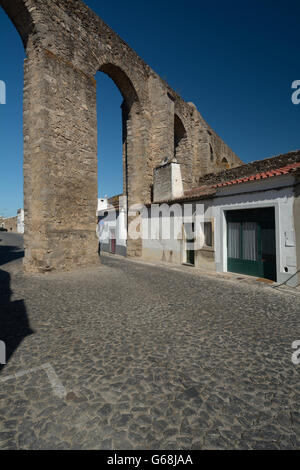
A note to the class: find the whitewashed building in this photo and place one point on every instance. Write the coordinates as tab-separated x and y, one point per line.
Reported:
112	225
250	220
250	223
20	221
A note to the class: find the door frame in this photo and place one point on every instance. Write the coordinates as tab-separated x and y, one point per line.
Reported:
221	232
240	265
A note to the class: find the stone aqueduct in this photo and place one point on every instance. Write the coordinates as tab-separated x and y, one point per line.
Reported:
66	45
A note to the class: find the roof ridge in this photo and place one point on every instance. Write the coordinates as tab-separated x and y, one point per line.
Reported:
284	170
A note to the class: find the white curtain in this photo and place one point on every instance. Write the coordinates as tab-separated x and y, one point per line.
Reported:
234	234
250	241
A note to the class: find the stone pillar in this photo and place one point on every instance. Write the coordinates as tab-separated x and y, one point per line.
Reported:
60	164
136	168
124	144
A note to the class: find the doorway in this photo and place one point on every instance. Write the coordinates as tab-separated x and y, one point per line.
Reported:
251	242
112	242
189	244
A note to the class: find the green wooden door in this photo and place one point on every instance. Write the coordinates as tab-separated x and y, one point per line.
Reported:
251	242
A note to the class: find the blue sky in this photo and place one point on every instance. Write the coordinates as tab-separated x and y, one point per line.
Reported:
235	60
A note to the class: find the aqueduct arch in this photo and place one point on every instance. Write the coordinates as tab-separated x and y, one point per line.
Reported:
66	44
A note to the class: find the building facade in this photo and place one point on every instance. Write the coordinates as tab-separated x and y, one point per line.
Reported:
14	224
244	220
249	222
112	225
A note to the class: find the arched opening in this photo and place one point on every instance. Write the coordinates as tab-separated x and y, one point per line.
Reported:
20	16
211	150
60	138
110	152
118	119
121	124
225	164
182	151
180	139
11	118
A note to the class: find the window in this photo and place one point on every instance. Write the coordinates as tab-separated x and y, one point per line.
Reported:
225	164
208	234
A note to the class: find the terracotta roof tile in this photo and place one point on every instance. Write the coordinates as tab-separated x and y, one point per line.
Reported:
264	175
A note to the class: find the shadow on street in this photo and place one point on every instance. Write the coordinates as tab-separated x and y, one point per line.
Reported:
14	323
10	253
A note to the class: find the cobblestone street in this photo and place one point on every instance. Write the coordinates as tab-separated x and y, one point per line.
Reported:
132	356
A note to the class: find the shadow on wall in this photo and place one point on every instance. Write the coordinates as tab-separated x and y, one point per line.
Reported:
14	323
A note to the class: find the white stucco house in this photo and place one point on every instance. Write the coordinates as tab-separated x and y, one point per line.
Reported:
112	225
243	220
250	222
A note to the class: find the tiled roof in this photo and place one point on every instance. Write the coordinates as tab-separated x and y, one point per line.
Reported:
210	190
285	170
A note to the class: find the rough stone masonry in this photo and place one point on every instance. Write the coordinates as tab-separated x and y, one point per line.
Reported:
66	45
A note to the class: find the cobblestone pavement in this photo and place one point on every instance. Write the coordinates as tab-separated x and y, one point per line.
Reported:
149	358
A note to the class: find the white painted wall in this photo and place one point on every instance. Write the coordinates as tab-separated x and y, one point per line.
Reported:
102	204
273	192
113	221
177	184
154	233
20	221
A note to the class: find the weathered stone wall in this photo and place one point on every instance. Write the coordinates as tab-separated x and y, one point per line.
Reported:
162	185
60	168
201	151
66	44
